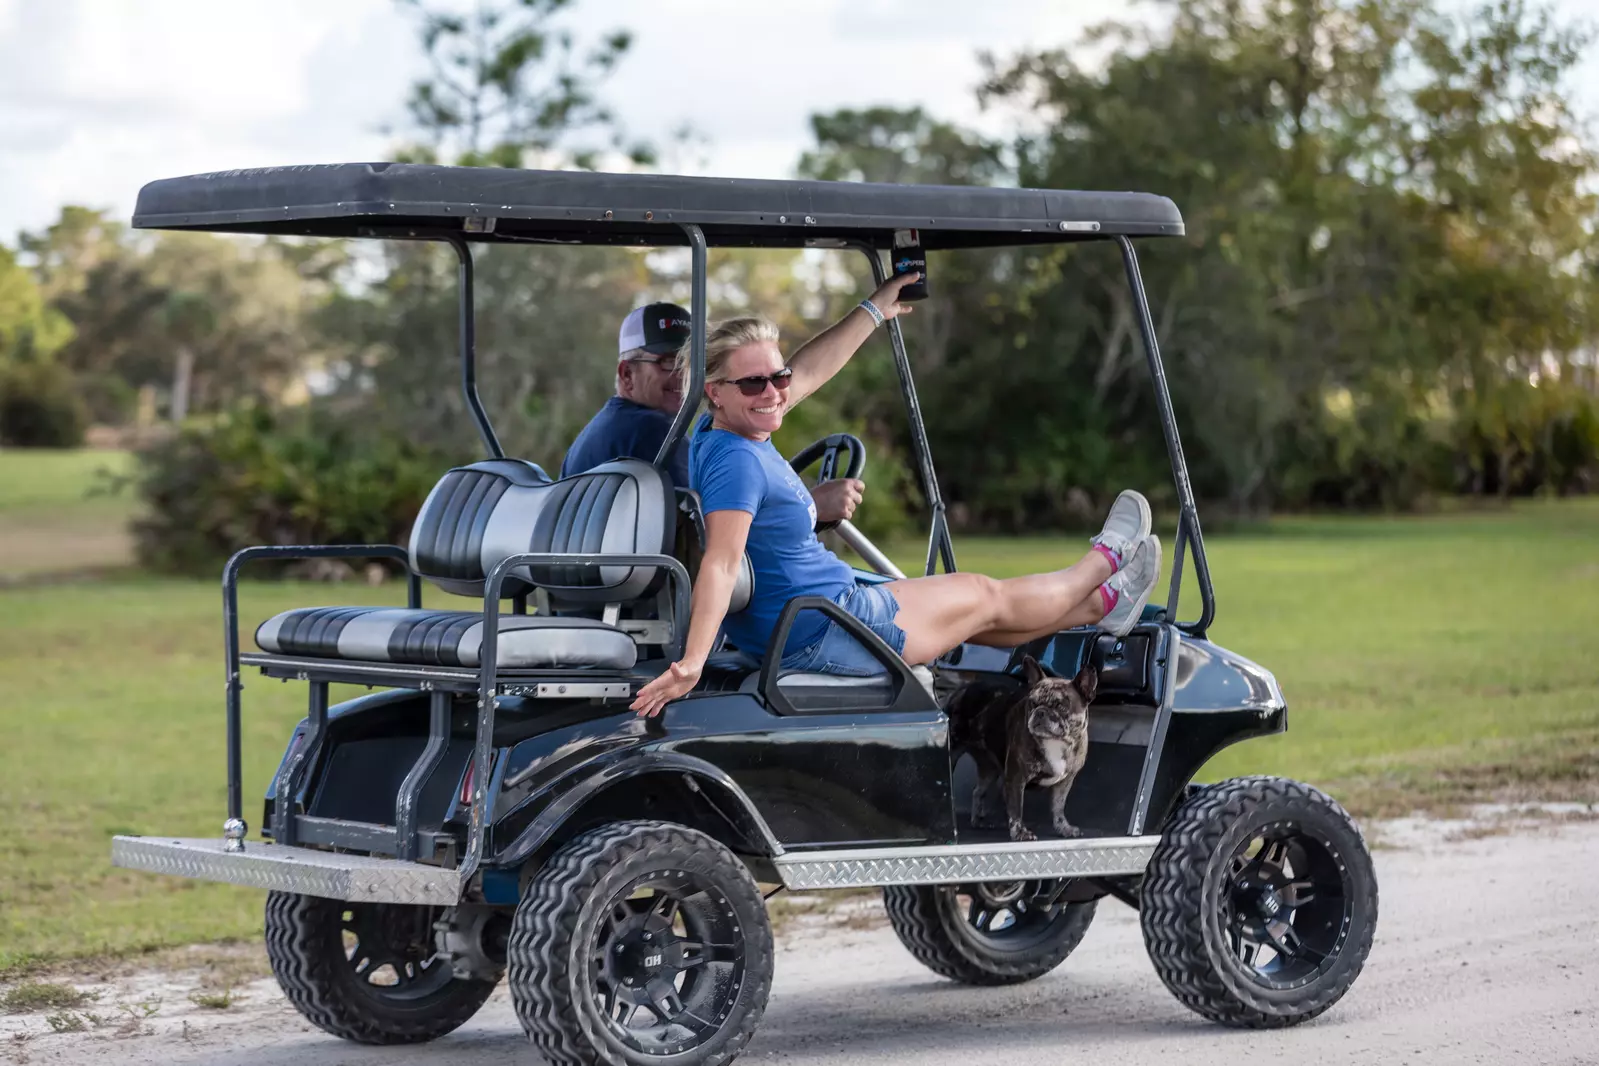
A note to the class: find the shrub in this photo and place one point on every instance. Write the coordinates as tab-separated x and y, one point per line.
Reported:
40	406
257	477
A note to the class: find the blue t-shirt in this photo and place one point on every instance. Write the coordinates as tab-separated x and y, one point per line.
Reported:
732	473
625	430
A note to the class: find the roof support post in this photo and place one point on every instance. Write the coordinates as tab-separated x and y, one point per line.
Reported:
940	549
695	389
1188	531
468	316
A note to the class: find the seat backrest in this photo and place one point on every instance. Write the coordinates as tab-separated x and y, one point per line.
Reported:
691	549
478	515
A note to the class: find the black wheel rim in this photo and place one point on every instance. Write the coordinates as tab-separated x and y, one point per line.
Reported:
1286	907
1008	916
667	962
389	950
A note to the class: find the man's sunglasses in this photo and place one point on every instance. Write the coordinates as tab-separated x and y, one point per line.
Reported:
756	384
667	363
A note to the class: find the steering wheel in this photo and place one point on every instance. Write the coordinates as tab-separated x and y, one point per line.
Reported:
827	450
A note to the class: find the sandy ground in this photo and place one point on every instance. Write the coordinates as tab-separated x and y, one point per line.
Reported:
1487	952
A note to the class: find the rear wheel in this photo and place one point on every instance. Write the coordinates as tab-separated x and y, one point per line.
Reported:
641	942
367	972
1260	903
988	933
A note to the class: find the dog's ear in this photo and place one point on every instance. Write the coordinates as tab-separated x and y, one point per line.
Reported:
1032	671
1087	682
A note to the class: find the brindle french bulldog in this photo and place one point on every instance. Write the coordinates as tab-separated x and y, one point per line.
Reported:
1037	734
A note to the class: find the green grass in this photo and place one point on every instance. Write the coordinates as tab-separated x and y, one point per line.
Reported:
55	515
42	477
1426	661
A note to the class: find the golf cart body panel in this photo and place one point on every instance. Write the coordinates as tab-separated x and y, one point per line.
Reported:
395	199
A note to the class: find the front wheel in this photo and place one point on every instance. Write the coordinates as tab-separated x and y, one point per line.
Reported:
367	972
641	942
1260	903
988	933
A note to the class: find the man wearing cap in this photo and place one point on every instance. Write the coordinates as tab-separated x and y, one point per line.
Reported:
634	423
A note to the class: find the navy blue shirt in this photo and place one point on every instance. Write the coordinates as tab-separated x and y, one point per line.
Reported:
625	430
733	473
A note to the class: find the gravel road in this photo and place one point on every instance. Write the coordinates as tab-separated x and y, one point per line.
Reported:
1487	952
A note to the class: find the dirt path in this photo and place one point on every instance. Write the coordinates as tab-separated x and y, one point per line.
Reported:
1487	952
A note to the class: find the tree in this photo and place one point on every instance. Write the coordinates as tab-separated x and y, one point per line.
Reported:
1382	201
507	82
30	330
200	319
508	86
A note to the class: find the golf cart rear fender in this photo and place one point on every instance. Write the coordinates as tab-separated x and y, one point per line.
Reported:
697	792
1219	699
385	702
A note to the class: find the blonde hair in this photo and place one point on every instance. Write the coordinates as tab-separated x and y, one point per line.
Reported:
727	337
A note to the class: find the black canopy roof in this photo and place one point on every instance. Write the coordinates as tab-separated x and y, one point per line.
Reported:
494	204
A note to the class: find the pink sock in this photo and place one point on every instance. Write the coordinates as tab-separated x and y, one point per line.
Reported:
1109	596
1114	558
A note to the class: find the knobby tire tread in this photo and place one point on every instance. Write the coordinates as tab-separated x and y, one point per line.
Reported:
542	940
305	966
921	924
1173	906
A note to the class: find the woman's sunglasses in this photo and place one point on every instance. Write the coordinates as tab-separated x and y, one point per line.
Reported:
756	384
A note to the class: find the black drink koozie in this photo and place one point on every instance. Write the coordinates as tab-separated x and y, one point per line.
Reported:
909	258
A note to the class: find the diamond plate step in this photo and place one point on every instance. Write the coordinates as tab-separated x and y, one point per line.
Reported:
287	869
947	864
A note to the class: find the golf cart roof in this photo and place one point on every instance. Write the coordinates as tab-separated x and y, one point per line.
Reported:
503	205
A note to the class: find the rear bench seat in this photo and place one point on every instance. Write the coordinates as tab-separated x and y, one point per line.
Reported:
479	514
474	517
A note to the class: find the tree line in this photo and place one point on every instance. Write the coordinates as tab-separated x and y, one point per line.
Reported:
1388	290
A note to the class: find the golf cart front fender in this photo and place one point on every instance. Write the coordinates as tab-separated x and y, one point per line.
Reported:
569	804
1218	699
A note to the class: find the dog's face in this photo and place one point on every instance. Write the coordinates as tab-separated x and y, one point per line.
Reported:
1053	705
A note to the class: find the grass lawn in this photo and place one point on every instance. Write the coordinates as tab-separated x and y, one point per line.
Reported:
1425	660
52	517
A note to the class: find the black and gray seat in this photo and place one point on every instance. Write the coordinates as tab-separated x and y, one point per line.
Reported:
475	517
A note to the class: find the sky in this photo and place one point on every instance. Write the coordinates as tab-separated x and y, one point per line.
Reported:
99	96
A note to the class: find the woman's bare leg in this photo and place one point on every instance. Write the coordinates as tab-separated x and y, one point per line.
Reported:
1088	612
941	611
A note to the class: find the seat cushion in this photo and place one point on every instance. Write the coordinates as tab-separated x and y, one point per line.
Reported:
445	638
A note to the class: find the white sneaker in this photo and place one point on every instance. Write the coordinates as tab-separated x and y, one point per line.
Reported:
1132	584
1126	525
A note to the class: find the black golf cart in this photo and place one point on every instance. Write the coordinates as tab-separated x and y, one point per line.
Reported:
495	808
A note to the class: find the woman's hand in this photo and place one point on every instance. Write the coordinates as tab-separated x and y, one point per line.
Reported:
886	298
836	500
678	680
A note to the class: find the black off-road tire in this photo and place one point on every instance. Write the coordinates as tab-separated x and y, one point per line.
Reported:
305	944
1186	901
933	929
560	918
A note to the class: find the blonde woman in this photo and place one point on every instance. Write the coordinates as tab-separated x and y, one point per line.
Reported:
754	503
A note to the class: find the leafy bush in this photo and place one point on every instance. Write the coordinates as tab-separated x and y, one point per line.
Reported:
256	477
1527	439
40	406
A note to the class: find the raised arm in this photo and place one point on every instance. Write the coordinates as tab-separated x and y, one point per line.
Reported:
825	354
725	534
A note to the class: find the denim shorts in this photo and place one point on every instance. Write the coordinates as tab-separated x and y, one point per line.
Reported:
837	651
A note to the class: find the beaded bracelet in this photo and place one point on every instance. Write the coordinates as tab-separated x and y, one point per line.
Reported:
871	309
